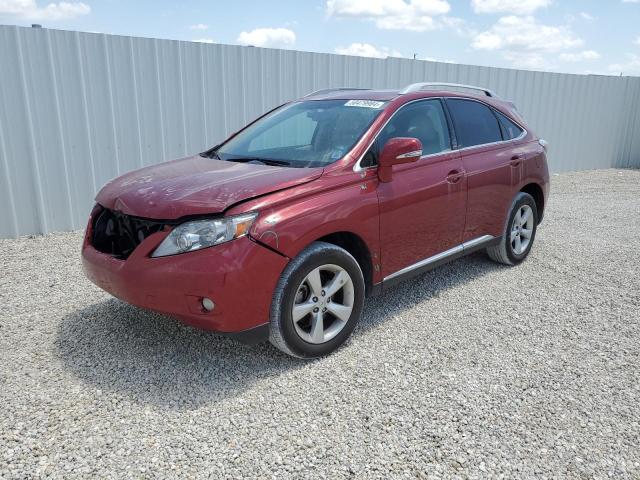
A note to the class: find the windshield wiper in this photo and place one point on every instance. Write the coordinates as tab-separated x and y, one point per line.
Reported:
210	154
266	161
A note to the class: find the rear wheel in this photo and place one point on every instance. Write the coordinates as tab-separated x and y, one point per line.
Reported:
317	301
520	231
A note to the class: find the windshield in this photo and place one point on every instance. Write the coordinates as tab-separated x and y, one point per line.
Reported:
311	133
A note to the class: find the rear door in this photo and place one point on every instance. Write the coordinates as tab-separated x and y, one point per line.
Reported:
422	210
492	163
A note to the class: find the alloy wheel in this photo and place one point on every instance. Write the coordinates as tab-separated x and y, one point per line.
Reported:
323	304
522	229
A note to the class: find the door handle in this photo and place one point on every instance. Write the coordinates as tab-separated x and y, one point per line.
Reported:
455	176
516	160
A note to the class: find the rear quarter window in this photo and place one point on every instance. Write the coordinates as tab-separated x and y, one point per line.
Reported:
510	129
474	122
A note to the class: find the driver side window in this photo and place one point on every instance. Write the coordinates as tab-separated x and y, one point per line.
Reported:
424	120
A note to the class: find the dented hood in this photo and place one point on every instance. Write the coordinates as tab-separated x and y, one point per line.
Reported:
196	185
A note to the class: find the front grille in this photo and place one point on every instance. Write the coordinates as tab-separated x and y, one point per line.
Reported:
118	234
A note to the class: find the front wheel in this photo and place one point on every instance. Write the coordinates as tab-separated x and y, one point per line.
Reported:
317	301
520	231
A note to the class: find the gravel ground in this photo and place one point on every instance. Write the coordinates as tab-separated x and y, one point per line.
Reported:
472	370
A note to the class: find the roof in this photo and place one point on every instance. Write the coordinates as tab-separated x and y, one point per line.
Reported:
416	91
427	89
353	94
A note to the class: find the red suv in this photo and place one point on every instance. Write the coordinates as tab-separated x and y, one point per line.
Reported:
282	230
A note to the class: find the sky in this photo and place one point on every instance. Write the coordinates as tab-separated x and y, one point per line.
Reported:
584	37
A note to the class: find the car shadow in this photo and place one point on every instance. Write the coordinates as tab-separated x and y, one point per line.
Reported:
424	287
152	358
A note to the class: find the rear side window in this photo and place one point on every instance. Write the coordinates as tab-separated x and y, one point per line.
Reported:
474	122
510	129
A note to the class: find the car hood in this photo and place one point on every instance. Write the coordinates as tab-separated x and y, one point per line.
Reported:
195	186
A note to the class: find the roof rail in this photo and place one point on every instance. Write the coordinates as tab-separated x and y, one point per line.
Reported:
416	87
329	90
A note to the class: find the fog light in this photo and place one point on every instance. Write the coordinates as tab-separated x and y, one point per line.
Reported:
208	304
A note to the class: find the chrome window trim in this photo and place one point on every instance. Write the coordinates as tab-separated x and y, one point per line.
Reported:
358	168
519	137
524	134
441	256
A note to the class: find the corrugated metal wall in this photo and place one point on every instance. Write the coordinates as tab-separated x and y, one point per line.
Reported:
79	109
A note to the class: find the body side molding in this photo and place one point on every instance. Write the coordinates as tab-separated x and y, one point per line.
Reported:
439	259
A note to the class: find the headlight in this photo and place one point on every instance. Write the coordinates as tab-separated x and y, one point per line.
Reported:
198	234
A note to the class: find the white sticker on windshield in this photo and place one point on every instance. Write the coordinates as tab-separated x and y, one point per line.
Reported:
364	103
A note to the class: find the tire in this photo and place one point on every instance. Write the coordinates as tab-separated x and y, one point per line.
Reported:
299	286
512	249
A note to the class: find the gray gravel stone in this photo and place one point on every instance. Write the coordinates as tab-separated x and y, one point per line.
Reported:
474	370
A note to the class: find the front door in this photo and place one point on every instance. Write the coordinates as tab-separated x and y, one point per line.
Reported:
422	210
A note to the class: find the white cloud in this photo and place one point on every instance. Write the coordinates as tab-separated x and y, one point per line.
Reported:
631	67
579	56
406	22
487	41
456	24
630	1
204	40
367	50
518	7
525	43
199	26
29	10
381	8
525	34
637	42
587	16
268	37
416	15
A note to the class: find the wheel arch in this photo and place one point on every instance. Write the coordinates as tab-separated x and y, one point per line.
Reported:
537	193
347	217
357	248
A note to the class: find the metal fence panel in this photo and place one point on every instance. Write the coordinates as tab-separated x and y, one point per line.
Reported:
81	108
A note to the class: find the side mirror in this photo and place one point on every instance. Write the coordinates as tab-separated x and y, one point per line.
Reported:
396	151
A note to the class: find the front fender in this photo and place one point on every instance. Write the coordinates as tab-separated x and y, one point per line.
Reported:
349	207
